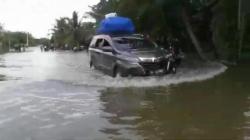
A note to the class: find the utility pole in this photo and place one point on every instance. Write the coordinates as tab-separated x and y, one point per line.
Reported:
9	44
27	41
9	41
240	34
239	14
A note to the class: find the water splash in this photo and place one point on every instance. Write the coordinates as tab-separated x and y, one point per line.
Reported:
208	71
74	68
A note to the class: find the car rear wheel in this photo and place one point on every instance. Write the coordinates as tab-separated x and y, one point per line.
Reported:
91	65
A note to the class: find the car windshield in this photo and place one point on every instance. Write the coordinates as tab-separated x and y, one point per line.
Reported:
124	44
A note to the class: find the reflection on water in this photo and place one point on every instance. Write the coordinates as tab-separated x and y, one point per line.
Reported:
214	109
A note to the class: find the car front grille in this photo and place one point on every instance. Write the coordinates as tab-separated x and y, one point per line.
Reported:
153	66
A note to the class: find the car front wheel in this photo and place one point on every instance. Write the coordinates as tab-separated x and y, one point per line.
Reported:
119	72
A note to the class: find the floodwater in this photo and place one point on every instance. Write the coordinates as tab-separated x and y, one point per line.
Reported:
55	96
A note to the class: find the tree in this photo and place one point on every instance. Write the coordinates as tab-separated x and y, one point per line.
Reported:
203	17
1	33
72	31
224	28
62	32
159	18
1	37
75	29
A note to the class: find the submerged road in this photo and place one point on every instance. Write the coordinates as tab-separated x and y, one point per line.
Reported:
39	100
55	96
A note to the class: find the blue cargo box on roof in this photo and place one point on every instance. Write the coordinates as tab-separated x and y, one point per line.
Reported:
116	25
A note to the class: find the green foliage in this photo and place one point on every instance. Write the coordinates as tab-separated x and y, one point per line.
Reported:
71	32
159	18
62	32
213	22
1	38
11	39
1	34
42	41
224	26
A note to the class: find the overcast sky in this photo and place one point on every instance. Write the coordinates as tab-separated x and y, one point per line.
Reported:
38	16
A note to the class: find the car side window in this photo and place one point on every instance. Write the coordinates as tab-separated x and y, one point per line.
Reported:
99	43
106	43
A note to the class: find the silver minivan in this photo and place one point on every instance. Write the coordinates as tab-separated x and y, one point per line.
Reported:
129	55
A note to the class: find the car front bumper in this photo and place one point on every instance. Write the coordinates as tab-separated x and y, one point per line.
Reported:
145	68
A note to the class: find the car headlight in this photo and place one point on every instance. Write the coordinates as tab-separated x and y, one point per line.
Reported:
145	59
132	59
152	59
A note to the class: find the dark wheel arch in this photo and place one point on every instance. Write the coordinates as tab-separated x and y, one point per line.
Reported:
92	65
117	69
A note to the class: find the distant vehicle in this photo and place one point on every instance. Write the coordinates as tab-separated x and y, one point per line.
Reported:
80	48
47	48
130	55
17	48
